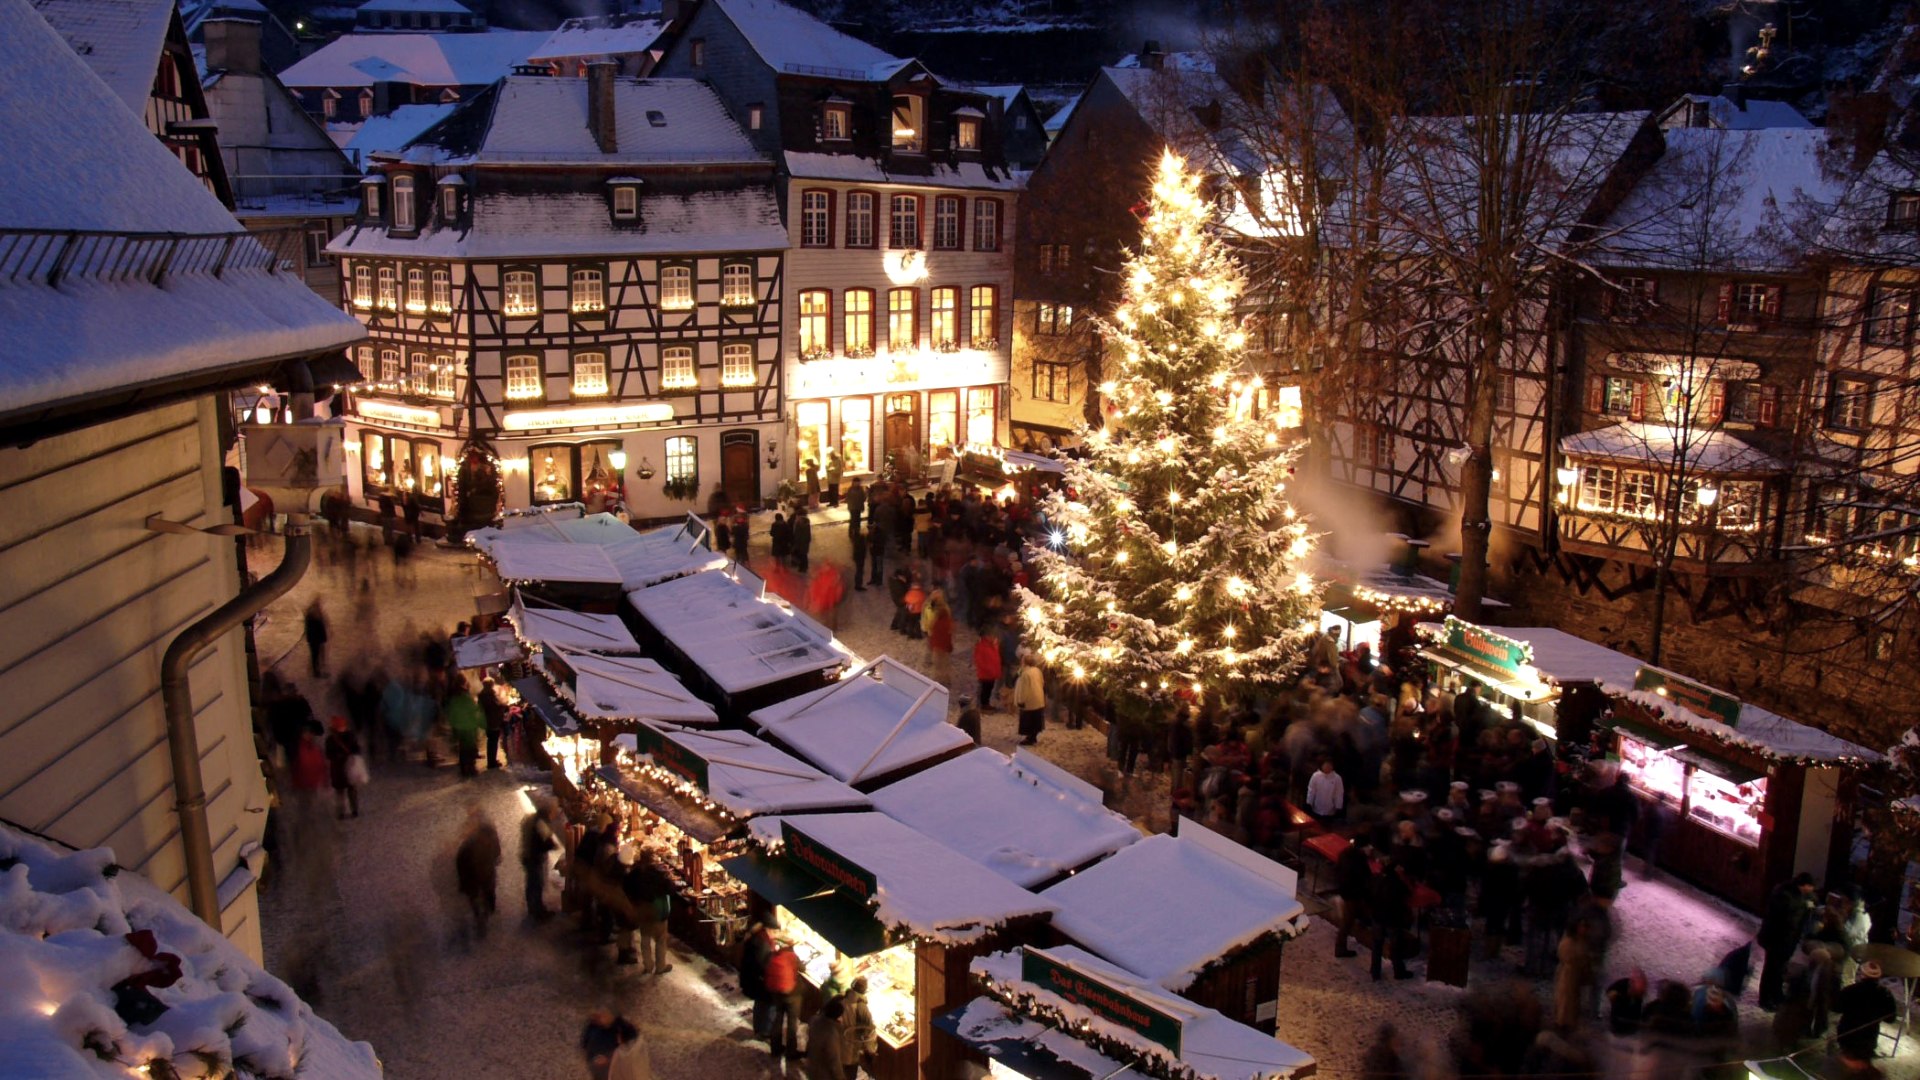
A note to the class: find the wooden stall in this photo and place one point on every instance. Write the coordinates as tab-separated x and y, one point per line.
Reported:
878	723
1552	681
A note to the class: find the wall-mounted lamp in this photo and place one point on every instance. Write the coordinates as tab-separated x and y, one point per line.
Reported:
1567	475
773	453
1707	495
645	471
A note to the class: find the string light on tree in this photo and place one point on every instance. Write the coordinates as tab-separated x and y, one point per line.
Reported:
1183	570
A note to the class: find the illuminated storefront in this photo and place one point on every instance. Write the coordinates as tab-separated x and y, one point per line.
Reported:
910	411
1555	682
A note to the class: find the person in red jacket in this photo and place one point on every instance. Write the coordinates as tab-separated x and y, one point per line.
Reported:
783	993
986	669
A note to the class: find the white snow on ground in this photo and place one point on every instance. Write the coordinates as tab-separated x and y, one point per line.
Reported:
64	921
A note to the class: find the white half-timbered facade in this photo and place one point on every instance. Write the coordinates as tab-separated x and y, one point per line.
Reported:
577	283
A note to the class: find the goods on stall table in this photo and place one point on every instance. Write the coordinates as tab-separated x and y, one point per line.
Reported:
889	974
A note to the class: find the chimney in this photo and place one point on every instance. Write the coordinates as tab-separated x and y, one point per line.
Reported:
600	119
675	13
233	45
389	95
1735	92
1151	57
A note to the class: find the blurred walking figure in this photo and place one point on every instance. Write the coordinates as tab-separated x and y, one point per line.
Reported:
476	867
1030	700
466	721
346	767
537	843
606	1032
495	711
936	621
825	589
316	631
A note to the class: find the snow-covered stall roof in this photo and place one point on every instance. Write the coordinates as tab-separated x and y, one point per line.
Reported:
746	776
570	629
485	650
600	35
1710	452
859	170
1760	730
419	59
1212	1046
1560	658
641	558
792	41
623	688
878	719
578	564
739	636
1024	818
119	39
1169	907
920	886
106	326
65	919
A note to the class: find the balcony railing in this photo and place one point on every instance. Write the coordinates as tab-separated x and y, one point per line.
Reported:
50	256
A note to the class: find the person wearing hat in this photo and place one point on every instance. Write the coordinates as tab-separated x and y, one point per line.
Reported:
969	718
1863	1007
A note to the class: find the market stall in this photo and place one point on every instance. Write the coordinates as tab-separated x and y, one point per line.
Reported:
1006	475
621	690
538	624
734	643
861	894
1023	817
638	558
491	649
1552	681
1363	601
1753	797
1193	913
876	724
1065	1014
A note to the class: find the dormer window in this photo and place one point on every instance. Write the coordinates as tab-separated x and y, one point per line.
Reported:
403	201
370	196
909	123
329	104
366	104
626	202
966	129
836	122
1903	210
697	52
450	198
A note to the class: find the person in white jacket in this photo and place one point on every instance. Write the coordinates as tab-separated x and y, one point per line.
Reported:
1326	794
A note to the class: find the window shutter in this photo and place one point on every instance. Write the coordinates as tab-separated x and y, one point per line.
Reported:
1726	303
1596	394
1769	405
1773	303
833	219
1716	402
1638	410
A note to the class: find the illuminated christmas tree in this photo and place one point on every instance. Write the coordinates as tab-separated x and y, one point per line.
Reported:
1177	566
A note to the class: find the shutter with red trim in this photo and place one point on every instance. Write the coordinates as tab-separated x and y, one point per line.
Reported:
1771	305
1716	401
1596	394
1638	410
1726	303
1769	405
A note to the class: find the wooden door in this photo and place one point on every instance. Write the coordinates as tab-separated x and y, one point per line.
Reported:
903	433
740	467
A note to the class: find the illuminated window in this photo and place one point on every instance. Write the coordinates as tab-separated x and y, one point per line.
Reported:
859	219
522	294
943	329
966	135
683	460
390	368
903	331
1637	493
1889	315
416	291
422	374
1053	320
982	414
943	419
909	126
903	222
589	374
1599	487
816	307
524	380
626	203
442	300
859	323
402	201
375	459
834	123
736	365
1052	381
589	291
856	434
983	316
363	286
986	225
1850	404
946	222
676	369
676	288
388	300
443	376
736	285
810	432
364	361
816	219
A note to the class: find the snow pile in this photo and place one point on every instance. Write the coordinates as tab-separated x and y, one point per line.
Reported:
921	887
1022	818
68	919
1169	907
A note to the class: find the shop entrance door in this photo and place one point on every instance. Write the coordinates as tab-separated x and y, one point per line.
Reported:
903	433
740	467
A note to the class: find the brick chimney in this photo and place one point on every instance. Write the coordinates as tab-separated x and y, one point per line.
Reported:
600	118
233	45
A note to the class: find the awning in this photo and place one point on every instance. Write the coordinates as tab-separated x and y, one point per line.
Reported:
673	809
1731	772
535	692
845	922
485	650
1645	734
1013	1047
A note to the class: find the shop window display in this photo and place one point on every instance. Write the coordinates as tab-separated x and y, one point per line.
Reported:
1650	770
856	434
1729	807
810	433
552	470
889	974
943	421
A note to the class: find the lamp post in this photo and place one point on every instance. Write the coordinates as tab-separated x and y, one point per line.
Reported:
1568	476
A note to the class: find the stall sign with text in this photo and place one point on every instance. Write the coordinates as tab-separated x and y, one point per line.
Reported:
1488	649
1103	999
828	865
1702	701
671	756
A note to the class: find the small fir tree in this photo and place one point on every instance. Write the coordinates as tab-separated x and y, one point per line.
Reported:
1176	566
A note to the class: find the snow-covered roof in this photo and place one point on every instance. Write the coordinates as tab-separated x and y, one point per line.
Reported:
391	131
623	688
120	40
746	776
853	728
794	42
744	219
1747	200
419	59
1858	228
1023	818
437	7
1760	730
738	635
852	168
601	35
485	650
542	120
640	558
106	326
1061	115
1723	112
1564	658
1212	1046
65	921
921	886
1168	907
1712	452
570	629
559	561
1005	94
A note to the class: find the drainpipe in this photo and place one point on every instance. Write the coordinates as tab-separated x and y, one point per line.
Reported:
183	740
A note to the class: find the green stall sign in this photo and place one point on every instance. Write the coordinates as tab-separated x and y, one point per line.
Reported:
828	865
1103	999
1699	700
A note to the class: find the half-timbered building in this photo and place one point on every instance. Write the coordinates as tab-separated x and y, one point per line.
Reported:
577	283
900	213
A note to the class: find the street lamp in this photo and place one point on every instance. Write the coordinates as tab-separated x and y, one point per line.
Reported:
1707	495
1567	475
618	459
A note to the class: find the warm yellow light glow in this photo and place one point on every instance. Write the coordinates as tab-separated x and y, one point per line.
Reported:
1121	558
1183	594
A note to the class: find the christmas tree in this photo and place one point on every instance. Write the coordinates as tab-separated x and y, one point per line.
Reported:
1175	565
